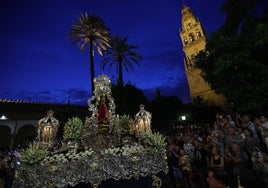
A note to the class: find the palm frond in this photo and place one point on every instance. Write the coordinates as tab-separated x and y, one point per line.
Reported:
121	54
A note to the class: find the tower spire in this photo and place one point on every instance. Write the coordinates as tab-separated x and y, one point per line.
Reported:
193	39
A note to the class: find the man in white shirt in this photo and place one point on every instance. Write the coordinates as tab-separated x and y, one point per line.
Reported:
264	122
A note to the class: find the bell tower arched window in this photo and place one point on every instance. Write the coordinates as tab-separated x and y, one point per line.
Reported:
198	34
185	41
191	36
189	25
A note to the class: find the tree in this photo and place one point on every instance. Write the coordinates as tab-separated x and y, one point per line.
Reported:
128	98
90	30
157	93
165	111
235	65
239	13
121	54
202	111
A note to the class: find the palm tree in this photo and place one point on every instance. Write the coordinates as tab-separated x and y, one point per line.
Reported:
121	54
90	30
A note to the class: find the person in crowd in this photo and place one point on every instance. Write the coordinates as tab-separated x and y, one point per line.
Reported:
219	119
216	180
186	167
239	121
200	162
228	165
230	120
188	147
170	143
239	161
216	160
179	139
264	125
250	125
240	132
231	137
264	122
3	164
217	132
250	142
7	168
223	123
261	134
217	138
173	155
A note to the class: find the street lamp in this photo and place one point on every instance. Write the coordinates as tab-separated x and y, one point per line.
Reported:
183	118
3	117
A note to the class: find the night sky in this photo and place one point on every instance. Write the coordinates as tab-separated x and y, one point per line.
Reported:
39	63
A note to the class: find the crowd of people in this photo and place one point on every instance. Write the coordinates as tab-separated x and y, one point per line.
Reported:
231	152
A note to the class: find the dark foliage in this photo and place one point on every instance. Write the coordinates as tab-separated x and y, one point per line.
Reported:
235	65
128	98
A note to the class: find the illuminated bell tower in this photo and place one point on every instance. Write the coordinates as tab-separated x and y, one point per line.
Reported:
194	40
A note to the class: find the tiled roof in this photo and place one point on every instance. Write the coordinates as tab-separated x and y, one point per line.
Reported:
18	101
23	110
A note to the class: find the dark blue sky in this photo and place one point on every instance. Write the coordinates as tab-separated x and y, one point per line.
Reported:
38	62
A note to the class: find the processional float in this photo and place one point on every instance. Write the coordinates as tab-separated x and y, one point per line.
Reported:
107	146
